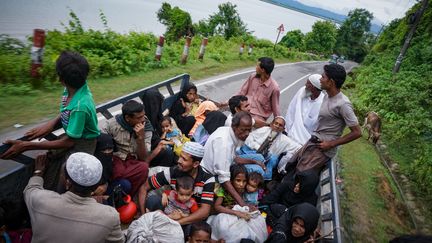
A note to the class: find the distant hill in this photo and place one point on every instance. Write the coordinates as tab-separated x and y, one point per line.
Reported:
317	12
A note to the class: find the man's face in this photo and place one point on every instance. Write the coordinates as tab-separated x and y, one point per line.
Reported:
258	69
185	162
244	106
137	117
278	125
243	129
325	81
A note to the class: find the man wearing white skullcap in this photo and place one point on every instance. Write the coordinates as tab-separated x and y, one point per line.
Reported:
73	216
302	114
188	164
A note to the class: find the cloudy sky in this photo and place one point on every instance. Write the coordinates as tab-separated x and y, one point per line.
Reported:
383	10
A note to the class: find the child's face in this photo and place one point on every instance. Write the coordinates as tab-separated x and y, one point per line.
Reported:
166	126
200	237
183	195
297	187
252	186
239	182
191	95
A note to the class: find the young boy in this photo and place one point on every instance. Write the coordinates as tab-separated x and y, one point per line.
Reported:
200	233
179	203
254	181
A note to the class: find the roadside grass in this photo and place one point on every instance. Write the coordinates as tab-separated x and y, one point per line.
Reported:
372	208
42	104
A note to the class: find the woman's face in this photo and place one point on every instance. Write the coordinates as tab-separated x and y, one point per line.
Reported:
191	95
297	228
239	182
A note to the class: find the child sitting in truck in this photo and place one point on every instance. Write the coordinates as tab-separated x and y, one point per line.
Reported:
179	203
170	136
254	181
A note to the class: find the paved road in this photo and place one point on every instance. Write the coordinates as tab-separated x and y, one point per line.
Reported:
290	77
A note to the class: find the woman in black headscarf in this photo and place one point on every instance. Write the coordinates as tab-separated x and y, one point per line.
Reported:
296	224
181	114
294	190
152	100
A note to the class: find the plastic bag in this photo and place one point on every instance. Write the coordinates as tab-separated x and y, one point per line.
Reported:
232	229
179	146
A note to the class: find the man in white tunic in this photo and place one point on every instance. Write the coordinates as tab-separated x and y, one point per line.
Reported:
302	114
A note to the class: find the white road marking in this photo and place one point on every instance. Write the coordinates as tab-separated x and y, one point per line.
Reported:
298	80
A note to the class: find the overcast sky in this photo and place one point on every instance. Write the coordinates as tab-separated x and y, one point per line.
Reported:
383	10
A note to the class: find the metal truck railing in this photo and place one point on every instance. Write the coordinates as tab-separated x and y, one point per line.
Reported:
14	176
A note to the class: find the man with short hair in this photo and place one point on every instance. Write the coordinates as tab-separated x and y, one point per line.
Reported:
220	151
132	134
188	164
73	216
239	103
262	91
335	114
302	114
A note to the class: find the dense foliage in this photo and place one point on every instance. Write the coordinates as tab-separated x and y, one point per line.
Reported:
112	54
322	38
177	21
352	35
293	39
404	100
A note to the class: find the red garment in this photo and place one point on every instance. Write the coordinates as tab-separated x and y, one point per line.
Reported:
20	236
134	170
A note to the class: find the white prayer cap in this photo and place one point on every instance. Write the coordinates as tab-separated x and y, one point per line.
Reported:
84	169
315	80
194	149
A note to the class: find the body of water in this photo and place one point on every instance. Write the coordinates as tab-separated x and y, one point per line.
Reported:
19	17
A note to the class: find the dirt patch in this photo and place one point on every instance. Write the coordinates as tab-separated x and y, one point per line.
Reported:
397	211
415	207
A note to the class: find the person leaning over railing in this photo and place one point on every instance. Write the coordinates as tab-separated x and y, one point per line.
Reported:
77	117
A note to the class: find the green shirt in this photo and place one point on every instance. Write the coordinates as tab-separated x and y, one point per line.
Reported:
79	117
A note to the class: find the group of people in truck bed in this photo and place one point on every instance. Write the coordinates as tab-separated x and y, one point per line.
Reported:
196	174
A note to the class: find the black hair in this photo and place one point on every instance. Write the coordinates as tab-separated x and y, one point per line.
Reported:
235	101
412	239
200	226
186	89
255	176
166	118
72	68
15	214
2	217
236	169
240	116
131	107
267	64
335	72
185	183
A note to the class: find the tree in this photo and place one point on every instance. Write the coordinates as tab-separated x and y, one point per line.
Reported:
293	39
352	35
322	38
177	21
227	22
